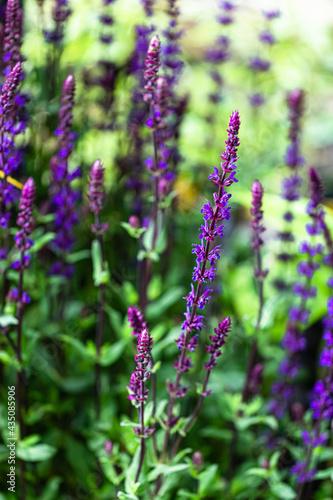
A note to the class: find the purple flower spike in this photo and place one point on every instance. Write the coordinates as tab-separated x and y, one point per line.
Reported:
217	342
135	319
138	390
148	6
152	64
24	218
13	34
291	185
60	13
205	257
64	197
96	187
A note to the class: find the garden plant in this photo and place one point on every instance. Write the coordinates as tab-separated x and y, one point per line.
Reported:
166	251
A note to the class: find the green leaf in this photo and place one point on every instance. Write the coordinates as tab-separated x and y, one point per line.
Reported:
9	359
206	479
109	471
110	354
166	470
77	256
29	441
259	472
246	422
100	271
134	232
81	348
170	297
324	474
126	496
7	320
130	484
283	490
52	489
42	241
37	453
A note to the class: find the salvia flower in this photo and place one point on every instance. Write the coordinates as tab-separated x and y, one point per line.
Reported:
171	50
218	340
26	223
152	64
64	197
205	260
321	402
13	34
148	6
138	390
291	185
136	321
220	52
60	13
294	341
96	187
10	157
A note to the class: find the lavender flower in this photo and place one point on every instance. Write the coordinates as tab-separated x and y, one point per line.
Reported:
139	392
152	64
25	221
64	197
253	377
259	65
171	49
217	342
294	342
209	231
60	13
136	321
148	6
291	185
9	156
220	52
321	400
13	35
96	187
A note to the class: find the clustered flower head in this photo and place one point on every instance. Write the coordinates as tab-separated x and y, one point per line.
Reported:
205	256
60	13
64	197
321	402
9	156
13	35
22	239
257	226
136	321
219	53
24	218
96	195
171	50
217	342
294	341
291	185
138	390
152	64
148	6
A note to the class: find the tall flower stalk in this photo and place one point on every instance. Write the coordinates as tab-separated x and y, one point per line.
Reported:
95	196
254	370
218	340
205	269
23	243
9	159
294	341
138	390
291	185
64	197
321	399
